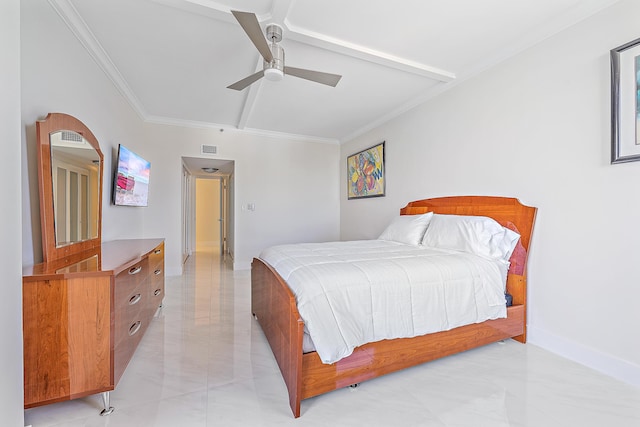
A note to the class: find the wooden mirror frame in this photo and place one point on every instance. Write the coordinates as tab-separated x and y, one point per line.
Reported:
55	122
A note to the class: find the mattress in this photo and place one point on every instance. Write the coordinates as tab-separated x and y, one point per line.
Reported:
352	293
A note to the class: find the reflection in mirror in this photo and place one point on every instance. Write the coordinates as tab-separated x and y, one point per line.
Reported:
75	168
88	264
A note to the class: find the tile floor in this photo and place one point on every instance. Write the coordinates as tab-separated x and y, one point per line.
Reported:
205	362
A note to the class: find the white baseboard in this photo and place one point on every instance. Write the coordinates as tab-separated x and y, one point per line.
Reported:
615	367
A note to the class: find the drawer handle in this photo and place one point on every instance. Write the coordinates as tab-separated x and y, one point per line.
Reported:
157	251
134	299
157	292
135	270
158	271
134	328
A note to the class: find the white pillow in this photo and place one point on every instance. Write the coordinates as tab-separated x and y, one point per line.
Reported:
407	229
478	235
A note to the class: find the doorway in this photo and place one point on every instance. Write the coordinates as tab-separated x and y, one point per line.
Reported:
207	206
209	215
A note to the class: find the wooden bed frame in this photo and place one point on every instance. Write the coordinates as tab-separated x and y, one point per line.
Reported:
274	306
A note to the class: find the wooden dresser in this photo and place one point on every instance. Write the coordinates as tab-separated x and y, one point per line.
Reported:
84	316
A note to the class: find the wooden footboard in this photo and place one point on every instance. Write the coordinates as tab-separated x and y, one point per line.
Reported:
383	357
274	305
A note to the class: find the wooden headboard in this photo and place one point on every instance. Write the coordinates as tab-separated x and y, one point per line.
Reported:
507	211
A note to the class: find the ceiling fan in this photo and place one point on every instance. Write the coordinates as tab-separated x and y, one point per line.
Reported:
273	55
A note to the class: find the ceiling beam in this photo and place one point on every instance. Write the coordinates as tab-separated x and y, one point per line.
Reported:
333	44
280	10
250	100
208	8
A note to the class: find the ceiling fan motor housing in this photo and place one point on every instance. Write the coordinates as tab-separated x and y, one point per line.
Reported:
274	70
274	33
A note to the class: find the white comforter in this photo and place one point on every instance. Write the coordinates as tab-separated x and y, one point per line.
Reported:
352	293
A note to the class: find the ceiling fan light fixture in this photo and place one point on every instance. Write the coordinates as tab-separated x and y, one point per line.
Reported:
273	74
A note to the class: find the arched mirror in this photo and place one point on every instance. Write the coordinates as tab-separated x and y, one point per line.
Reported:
70	179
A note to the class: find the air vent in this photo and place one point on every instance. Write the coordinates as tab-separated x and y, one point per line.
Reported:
209	149
71	136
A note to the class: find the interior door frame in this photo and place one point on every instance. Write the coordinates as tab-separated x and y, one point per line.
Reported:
189	213
224	215
188	205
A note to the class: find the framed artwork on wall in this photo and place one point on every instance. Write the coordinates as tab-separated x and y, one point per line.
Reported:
366	173
625	103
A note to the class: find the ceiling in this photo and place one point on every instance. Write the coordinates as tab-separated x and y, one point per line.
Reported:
173	59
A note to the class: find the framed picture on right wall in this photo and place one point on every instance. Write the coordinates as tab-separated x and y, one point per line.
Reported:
365	173
625	102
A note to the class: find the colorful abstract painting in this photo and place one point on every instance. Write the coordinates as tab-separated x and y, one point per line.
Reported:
365	173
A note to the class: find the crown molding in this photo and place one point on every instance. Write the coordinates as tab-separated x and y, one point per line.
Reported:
167	121
79	28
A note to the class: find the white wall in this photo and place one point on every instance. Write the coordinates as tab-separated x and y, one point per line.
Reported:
11	403
59	76
292	183
536	127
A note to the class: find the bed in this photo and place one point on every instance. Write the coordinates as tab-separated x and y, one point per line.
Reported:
275	308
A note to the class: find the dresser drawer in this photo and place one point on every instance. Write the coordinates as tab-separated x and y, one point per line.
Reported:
156	278
131	330
156	256
156	288
128	336
128	280
129	311
130	298
133	300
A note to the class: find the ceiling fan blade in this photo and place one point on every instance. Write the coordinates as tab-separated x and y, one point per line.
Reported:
315	76
249	23
241	84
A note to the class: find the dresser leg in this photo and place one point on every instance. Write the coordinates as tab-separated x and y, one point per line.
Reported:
105	401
